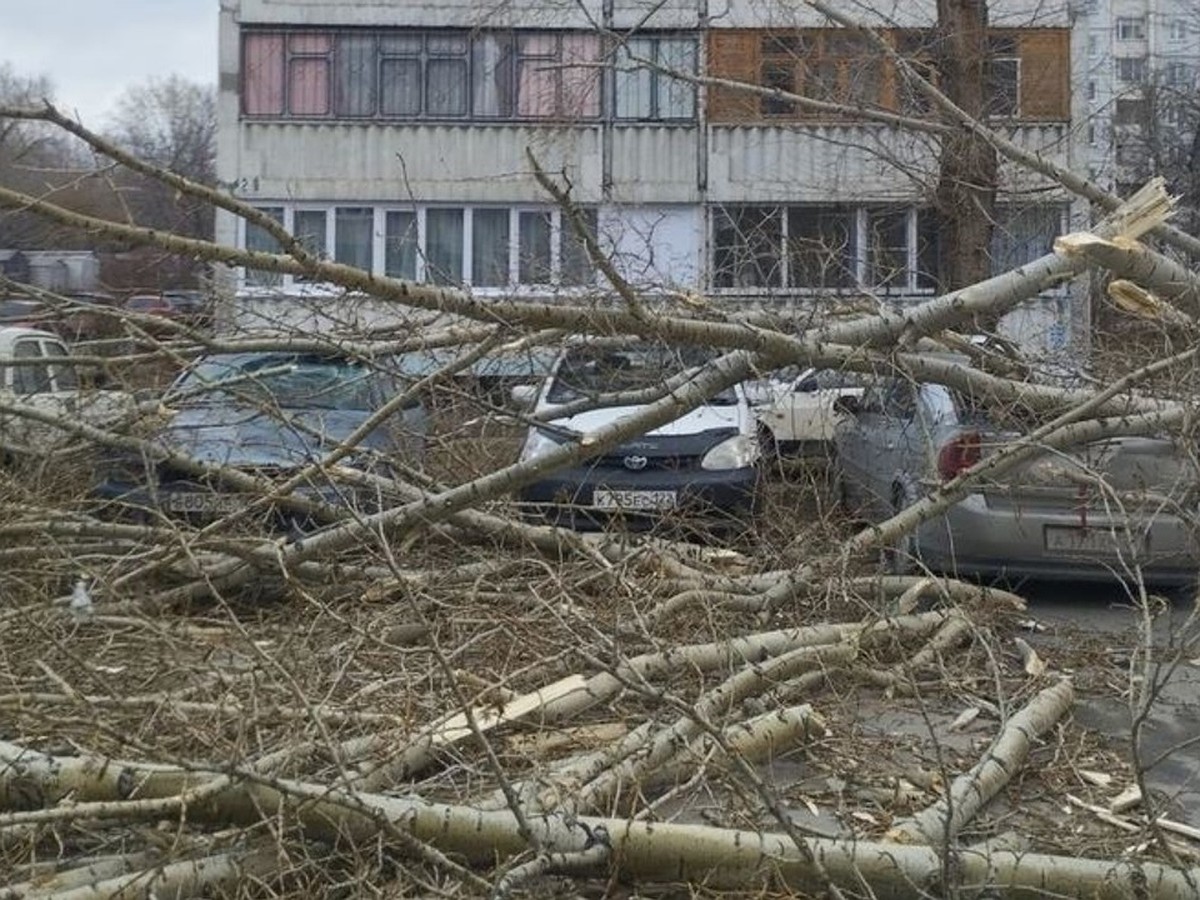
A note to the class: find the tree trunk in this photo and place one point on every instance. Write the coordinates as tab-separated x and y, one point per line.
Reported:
966	190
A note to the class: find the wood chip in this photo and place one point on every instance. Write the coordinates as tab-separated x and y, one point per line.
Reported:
1127	799
1033	663
965	718
1099	779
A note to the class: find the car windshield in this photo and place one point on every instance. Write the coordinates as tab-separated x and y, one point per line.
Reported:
290	381
589	371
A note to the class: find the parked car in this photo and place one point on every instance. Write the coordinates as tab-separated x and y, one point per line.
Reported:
1094	511
704	463
269	414
36	374
796	410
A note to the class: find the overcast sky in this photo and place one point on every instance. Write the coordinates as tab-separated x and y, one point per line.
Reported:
93	50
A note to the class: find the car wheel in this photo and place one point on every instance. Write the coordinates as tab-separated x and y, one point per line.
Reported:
899	555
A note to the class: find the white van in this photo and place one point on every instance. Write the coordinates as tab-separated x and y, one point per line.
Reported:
36	375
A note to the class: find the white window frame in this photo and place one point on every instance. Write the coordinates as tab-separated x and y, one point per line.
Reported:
559	231
1131	28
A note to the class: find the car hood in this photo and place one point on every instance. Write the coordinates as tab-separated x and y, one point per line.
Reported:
250	438
697	421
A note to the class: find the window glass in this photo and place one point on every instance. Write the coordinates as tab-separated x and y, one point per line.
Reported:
493	84
447	87
887	247
400	244
400	86
64	373
533	249
821	246
354	83
308	225
489	247
577	267
308	74
30	379
748	243
676	97
634	82
1023	234
1003	92
262	74
444	246
258	240
353	236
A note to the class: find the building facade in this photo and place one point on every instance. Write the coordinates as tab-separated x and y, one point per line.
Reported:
397	137
1138	61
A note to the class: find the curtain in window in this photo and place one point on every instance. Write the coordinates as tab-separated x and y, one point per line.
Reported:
353	236
308	74
354	83
580	76
677	98
489	248
538	75
493	87
262	74
444	246
446	76
533	248
401	86
400	244
634	92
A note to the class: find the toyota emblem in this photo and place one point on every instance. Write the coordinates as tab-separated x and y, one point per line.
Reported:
635	463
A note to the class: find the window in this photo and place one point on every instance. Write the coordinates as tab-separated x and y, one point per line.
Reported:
747	247
410	74
1131	69
308	226
1093	45
444	246
781	56
821	246
824	246
1091	135
30	379
917	47
400	240
649	95
1131	28
1177	75
576	265
1023	233
1091	90
260	241
1003	76
489	247
534	259
1131	111
1176	30
354	236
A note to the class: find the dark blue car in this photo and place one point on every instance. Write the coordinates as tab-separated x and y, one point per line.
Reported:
269	415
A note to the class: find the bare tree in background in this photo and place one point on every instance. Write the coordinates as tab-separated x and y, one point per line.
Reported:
169	123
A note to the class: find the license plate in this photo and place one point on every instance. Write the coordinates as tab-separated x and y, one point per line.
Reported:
205	503
606	499
1103	541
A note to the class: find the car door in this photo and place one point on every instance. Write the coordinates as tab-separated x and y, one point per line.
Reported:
33	388
888	431
851	437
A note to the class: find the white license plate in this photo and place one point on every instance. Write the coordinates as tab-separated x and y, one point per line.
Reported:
1104	541
606	499
205	503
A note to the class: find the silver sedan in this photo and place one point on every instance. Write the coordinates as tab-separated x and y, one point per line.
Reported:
1115	508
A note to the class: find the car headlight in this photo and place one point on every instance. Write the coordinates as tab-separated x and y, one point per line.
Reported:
538	443
737	452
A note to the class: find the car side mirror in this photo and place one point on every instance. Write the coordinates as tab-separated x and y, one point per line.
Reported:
807	386
523	396
847	405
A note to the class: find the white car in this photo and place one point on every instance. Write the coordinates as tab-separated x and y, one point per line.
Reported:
705	462
36	375
796	410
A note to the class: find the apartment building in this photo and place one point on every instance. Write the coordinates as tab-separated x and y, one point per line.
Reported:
396	137
1138	61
